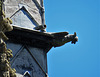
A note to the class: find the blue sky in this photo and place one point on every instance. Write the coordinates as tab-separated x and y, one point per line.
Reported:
81	16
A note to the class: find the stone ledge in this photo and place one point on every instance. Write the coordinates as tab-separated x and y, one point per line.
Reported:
30	37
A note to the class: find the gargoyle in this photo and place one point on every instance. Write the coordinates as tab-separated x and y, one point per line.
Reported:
41	28
63	37
4	23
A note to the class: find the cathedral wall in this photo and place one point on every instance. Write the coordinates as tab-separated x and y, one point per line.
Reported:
31	59
32	6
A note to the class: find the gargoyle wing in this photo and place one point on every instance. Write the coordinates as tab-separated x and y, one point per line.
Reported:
59	34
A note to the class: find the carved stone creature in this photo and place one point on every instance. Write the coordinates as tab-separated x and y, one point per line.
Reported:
41	28
63	37
5	25
4	22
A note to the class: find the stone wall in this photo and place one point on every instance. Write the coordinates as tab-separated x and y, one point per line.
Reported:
27	58
32	7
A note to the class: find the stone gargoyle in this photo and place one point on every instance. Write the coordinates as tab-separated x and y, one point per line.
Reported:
5	26
5	23
61	38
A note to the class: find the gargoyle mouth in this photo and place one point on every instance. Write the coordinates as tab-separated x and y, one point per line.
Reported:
74	40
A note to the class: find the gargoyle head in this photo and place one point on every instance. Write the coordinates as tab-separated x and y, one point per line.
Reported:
75	39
